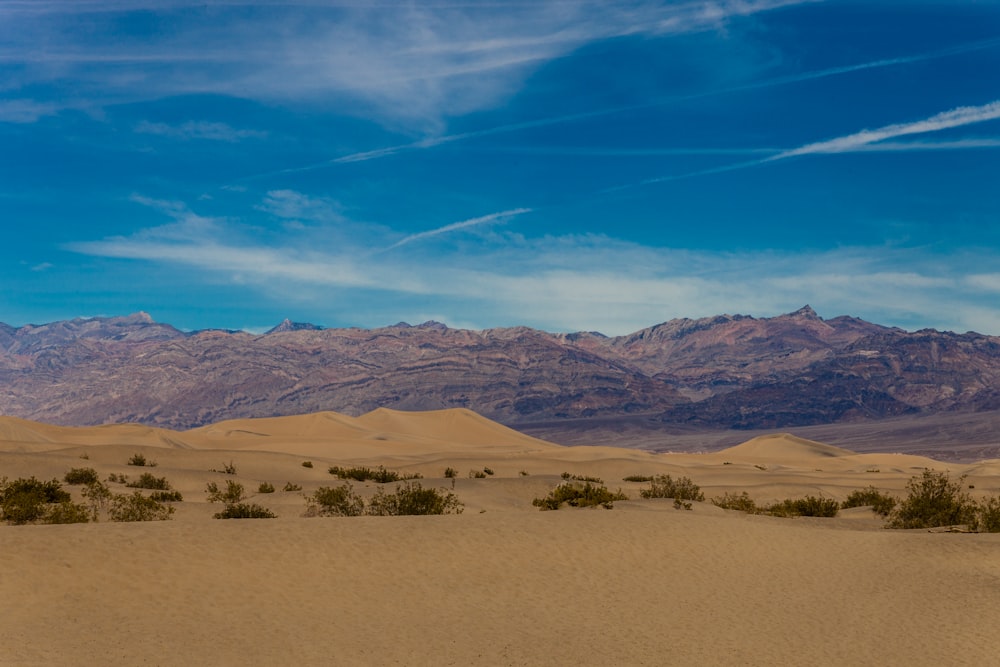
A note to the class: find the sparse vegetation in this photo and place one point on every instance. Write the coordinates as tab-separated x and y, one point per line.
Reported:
363	474
664	486
934	500
149	481
477	474
265	487
488	471
450	473
140	460
291	487
582	478
232	494
638	478
307	464
410	499
245	511
227	469
137	507
76	476
575	495
741	503
335	501
167	496
523	473
987	516
118	478
29	500
881	503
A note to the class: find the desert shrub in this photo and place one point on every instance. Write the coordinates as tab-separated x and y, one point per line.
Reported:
637	478
450	473
265	487
582	478
167	496
379	475
575	495
98	496
149	481
665	486
291	487
933	500
477	474
488	471
307	464
335	501
523	473
681	504
245	511
881	503
141	460
27	500
232	494
67	513
742	502
411	498
137	507
987	516
227	469
85	456
808	506
118	478
80	476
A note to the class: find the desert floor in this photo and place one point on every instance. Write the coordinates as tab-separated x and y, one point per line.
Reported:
500	584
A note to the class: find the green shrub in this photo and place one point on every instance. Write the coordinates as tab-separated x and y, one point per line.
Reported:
335	501
740	503
582	478
933	500
291	487
637	478
232	494
98	497
137	507
265	487
411	498
148	481
27	500
245	511
881	503
450	473
67	513
987	516
307	464
808	506
575	495
81	476
167	496
140	460
227	469
363	474
664	486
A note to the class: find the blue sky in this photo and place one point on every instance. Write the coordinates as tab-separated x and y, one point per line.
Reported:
562	164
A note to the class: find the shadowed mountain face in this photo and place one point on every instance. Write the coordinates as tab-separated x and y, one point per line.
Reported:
715	373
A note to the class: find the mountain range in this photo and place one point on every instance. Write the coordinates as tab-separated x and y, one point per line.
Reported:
717	373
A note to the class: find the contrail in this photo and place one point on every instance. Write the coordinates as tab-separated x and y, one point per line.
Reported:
472	222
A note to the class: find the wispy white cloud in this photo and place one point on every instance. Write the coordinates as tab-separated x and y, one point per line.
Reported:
864	141
199	130
413	64
570	282
464	224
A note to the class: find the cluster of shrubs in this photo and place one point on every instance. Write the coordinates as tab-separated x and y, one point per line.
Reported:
665	486
29	500
232	498
582	478
808	506
408	499
935	500
363	474
575	494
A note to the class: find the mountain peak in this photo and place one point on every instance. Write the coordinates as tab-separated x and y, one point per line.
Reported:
288	325
805	313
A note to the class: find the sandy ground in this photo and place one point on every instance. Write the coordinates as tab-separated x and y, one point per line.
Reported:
500	584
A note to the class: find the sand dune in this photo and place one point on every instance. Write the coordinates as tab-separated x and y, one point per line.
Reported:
500	584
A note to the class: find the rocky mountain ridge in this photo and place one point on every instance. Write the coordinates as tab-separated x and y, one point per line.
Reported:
728	371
